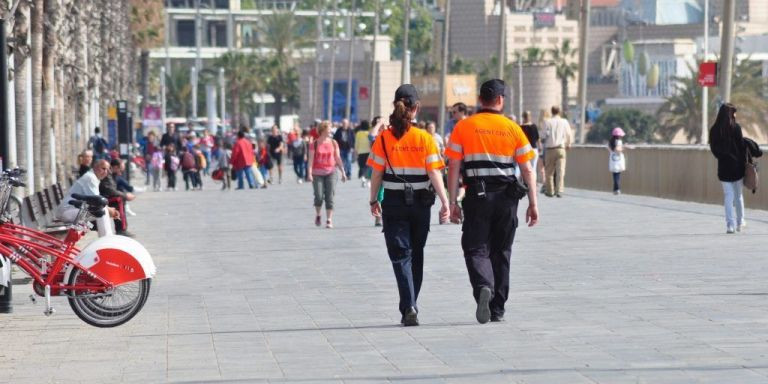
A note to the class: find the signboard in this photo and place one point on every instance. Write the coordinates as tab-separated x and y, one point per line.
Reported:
543	20
459	88
708	74
153	116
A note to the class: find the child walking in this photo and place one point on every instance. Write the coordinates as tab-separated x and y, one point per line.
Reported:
616	162
156	165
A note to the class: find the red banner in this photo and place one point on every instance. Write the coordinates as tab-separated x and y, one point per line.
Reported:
708	74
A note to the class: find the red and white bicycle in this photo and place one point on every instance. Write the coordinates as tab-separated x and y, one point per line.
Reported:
107	282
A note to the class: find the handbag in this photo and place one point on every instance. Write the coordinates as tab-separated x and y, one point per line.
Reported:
750	174
217	174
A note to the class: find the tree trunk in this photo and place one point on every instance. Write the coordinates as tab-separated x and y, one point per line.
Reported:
20	30
41	161
235	107
48	115
144	67
564	93
278	108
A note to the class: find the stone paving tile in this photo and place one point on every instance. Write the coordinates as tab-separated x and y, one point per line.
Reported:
608	289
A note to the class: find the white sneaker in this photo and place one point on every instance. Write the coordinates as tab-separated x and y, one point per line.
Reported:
741	226
128	210
300	181
729	230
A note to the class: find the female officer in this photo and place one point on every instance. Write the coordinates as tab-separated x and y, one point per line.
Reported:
406	162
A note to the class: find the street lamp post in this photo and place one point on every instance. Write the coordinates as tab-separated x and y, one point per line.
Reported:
329	109
193	82
406	69
223	101
5	127
583	70
372	95
705	90
726	50
163	113
444	68
348	109
502	37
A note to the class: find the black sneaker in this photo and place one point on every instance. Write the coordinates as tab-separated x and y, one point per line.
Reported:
483	313
410	318
497	318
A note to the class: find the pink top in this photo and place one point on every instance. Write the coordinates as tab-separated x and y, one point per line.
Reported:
324	160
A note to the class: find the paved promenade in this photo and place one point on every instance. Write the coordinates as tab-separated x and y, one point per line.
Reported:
607	289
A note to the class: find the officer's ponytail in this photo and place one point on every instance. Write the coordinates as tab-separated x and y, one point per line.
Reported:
400	119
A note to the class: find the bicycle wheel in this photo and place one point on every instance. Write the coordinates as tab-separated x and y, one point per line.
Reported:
107	309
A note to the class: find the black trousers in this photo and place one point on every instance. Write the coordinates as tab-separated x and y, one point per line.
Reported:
405	231
488	233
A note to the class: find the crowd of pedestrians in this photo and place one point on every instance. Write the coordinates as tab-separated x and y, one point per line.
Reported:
480	171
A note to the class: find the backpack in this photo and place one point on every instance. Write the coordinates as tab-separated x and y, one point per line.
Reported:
174	163
187	161
157	160
99	145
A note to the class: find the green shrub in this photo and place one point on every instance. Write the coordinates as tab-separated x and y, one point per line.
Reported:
639	127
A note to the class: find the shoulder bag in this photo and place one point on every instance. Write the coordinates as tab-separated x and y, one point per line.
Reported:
750	174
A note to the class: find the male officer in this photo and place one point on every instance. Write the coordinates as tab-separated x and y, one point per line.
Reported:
489	145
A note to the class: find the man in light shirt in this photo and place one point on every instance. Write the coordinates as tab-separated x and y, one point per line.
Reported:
88	184
556	137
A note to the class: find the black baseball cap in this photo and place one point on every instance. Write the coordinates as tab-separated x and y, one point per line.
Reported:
492	89
407	93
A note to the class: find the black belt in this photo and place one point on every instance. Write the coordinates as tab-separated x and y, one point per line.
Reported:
558	147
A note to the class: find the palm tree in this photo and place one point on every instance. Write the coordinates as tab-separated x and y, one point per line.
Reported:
147	26
36	34
20	53
240	76
178	92
683	110
460	66
281	33
565	68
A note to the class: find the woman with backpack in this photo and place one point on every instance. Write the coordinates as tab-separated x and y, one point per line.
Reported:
324	158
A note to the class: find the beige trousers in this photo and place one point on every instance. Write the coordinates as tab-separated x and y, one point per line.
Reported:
554	159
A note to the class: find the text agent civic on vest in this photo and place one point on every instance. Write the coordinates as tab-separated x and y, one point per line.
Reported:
490	145
406	161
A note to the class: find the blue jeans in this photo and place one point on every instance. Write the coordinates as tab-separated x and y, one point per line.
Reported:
346	159
734	203
264	172
300	167
248	173
207	155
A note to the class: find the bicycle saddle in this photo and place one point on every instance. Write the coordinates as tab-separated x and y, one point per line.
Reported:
91	200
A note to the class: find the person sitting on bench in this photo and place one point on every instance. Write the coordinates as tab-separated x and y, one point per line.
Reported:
88	184
108	188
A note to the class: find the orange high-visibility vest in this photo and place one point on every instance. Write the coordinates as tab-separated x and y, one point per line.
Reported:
490	145
410	157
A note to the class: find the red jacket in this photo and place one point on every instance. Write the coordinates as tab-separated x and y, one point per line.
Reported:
242	154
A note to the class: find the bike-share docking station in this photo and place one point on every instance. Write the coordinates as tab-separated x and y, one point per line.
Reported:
6	290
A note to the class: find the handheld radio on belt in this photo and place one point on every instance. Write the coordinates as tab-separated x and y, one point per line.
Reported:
407	188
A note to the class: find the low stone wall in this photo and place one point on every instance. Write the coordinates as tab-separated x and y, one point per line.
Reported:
687	173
